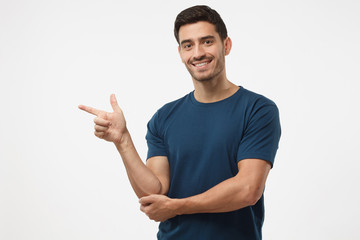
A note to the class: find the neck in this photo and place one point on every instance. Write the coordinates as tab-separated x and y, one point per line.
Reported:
214	90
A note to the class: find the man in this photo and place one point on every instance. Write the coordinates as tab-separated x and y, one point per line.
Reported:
209	152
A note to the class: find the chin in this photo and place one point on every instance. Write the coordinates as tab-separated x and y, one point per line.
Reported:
203	79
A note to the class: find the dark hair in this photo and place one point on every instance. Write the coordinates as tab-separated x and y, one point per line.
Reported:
200	13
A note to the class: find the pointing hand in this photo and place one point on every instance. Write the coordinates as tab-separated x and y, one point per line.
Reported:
109	126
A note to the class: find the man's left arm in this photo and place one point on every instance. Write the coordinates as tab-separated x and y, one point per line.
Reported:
240	191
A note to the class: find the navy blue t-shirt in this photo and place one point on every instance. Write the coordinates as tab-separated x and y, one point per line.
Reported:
204	143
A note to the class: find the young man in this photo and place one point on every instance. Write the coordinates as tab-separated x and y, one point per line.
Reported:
209	152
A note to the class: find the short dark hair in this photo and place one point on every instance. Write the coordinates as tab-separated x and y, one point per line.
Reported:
200	13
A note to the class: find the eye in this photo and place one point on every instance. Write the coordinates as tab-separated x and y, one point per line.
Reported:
208	42
186	46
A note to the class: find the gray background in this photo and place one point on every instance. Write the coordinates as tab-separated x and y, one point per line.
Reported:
58	181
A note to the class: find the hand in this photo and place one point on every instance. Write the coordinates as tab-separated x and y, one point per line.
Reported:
108	126
158	207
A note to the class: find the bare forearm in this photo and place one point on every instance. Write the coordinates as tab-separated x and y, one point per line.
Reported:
111	126
229	195
243	190
142	179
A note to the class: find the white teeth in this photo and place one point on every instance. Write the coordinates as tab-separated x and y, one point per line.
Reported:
201	64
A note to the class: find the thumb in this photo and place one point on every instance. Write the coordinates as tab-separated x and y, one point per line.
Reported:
146	200
114	103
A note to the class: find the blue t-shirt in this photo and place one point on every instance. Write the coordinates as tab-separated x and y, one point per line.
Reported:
204	143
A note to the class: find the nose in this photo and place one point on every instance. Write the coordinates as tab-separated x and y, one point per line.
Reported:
199	52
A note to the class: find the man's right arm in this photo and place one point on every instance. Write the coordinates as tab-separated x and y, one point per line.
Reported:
152	178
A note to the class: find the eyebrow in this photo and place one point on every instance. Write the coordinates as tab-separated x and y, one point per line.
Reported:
202	38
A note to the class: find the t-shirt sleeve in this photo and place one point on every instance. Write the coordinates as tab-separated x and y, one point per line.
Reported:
262	134
155	141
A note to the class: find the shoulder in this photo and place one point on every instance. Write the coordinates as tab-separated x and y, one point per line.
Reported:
169	108
257	105
172	106
255	99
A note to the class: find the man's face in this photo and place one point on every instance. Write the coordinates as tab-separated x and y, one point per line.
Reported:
202	51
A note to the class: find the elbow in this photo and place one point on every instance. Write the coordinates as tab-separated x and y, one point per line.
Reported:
252	200
154	188
251	195
158	188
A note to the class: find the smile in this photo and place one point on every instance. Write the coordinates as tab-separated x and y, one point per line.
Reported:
201	64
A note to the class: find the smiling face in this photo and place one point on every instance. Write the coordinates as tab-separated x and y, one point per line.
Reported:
202	50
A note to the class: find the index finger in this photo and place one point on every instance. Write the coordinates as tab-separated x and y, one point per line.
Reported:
90	110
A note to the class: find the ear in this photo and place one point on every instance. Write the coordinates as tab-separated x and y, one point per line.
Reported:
228	45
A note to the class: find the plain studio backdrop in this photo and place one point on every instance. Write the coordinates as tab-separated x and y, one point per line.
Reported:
58	181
